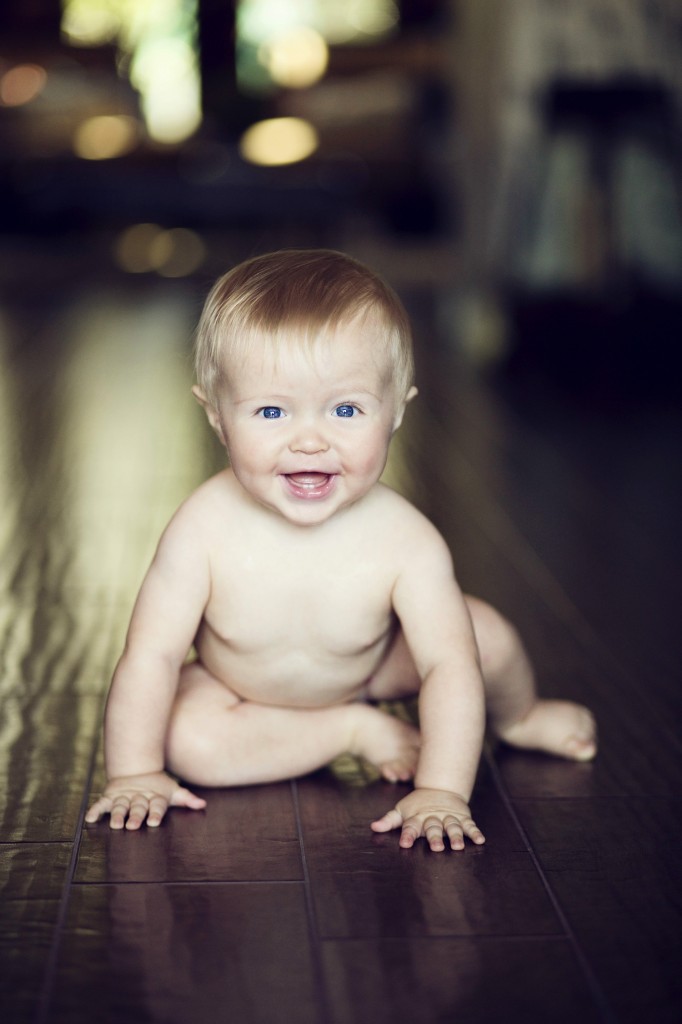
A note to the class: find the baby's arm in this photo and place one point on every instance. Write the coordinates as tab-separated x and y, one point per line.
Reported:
163	626
438	630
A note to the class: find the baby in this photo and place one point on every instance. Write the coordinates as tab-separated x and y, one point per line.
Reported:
308	589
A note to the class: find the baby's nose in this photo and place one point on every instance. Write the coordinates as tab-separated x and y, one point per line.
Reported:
309	438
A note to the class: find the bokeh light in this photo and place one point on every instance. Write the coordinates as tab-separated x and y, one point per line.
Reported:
172	252
267	29
21	84
89	24
341	22
133	246
165	72
374	18
295	59
177	252
105	137
278	141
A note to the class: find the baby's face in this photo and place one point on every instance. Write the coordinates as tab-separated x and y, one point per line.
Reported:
308	433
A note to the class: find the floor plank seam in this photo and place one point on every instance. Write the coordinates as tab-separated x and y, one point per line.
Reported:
205	882
596	991
492	937
35	842
320	988
50	974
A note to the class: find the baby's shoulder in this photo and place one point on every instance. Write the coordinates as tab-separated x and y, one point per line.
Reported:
205	508
411	544
400	521
389	501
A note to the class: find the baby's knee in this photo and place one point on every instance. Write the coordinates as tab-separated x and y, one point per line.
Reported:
185	746
190	740
499	644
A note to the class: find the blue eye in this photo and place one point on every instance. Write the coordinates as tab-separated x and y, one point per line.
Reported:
271	412
345	411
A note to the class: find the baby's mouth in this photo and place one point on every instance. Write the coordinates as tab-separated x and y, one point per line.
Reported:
310	485
308	479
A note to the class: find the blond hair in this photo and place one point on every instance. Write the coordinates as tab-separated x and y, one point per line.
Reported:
297	294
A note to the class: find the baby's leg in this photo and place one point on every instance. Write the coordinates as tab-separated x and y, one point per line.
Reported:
515	712
216	739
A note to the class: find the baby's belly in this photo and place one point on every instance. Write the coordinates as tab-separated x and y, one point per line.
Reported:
289	677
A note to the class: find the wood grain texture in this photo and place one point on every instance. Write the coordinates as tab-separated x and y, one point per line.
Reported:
481	981
46	744
278	903
168	954
614	866
32	877
488	890
242	835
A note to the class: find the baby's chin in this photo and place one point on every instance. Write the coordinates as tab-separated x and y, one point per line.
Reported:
307	514
311	513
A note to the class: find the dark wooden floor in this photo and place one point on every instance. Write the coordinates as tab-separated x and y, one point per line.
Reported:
278	904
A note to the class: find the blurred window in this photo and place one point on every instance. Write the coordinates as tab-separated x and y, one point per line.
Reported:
158	53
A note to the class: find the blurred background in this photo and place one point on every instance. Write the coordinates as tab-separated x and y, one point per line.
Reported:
520	160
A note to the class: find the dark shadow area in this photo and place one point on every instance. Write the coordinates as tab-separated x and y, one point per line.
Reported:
597	300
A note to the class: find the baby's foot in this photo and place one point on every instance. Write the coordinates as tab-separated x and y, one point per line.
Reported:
390	745
556	727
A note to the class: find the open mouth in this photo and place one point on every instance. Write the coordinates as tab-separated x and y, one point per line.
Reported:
309	486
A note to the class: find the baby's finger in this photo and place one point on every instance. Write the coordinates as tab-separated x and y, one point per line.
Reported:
157	810
433	832
471	829
119	812
139	808
392	819
455	833
98	809
184	798
409	835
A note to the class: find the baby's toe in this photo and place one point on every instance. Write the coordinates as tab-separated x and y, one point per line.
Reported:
582	743
398	770
556	727
580	749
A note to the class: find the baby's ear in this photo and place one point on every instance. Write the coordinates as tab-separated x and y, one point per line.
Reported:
211	412
412	393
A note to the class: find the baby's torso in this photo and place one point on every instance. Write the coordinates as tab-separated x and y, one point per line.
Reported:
299	617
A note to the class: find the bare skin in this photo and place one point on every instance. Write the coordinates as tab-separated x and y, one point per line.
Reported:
309	589
301	740
218	737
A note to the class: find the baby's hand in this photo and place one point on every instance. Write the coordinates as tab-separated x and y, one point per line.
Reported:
432	813
140	797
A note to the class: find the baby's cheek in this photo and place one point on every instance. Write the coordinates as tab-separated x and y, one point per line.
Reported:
376	449
368	463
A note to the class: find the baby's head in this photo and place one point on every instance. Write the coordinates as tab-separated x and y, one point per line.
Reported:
296	297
